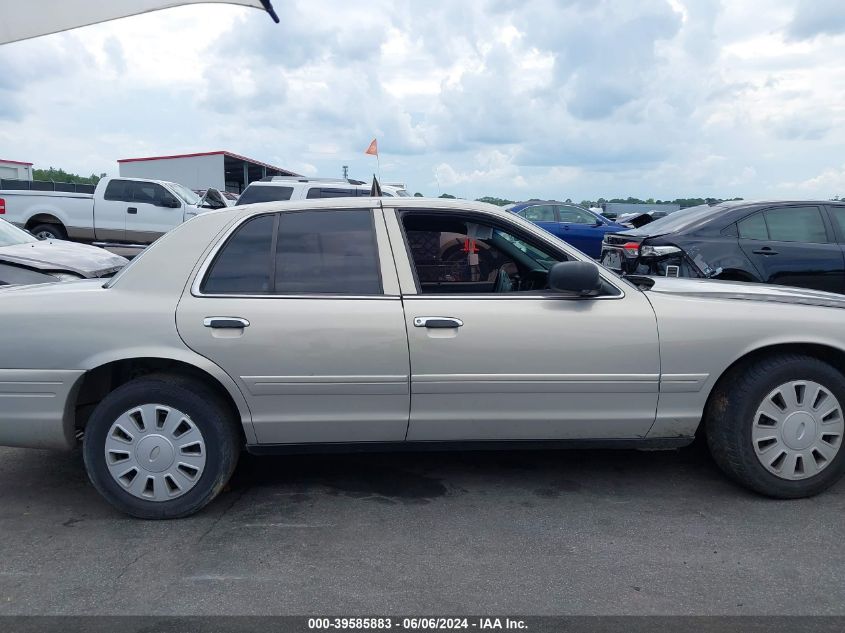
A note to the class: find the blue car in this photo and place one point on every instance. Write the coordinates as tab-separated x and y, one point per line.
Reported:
573	224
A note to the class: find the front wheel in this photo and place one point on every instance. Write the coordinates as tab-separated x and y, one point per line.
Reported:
777	426
161	447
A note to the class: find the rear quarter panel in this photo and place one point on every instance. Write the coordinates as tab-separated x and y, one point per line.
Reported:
63	330
74	210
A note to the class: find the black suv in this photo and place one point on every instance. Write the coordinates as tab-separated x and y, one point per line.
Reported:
787	243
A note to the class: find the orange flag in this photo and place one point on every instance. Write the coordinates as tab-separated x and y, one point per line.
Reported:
372	150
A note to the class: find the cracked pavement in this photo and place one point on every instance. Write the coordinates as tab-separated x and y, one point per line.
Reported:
571	532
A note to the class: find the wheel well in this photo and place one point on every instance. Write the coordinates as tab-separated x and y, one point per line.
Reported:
99	382
830	355
42	218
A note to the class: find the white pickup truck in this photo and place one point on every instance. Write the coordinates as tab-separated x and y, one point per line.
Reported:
120	211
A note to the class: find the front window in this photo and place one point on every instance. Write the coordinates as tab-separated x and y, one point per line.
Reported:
10	235
186	194
457	255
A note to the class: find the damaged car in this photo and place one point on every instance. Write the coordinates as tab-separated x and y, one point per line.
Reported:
788	243
24	259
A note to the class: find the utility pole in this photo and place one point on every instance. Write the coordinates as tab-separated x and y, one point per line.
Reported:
346	172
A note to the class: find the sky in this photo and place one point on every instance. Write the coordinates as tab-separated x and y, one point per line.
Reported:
518	99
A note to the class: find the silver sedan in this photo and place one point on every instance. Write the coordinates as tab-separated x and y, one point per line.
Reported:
397	323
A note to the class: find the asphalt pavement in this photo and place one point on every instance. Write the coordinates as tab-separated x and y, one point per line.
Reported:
570	532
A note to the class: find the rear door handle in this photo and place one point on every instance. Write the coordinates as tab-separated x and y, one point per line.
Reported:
764	251
219	323
437	322
132	210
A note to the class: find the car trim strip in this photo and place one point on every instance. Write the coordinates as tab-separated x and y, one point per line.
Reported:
326	385
534	383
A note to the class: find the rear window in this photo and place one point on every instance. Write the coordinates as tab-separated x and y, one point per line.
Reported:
265	193
331	192
677	221
243	265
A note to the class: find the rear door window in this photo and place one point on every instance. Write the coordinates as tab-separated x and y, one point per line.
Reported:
119	190
539	213
262	193
796	224
243	265
575	215
753	227
332	252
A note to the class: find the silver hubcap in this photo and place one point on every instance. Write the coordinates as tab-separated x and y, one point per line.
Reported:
45	235
798	429
155	452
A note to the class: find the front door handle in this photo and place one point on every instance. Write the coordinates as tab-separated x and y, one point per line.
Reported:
132	210
220	323
437	322
764	251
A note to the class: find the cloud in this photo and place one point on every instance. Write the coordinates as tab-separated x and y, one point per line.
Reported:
829	183
514	98
816	17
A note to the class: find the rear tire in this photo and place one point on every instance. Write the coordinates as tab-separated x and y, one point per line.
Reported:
49	232
775	425
161	446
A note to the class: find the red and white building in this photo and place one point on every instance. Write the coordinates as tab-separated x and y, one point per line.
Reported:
220	169
15	170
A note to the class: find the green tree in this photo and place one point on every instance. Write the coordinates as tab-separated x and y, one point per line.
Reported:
418	195
499	202
60	175
447	195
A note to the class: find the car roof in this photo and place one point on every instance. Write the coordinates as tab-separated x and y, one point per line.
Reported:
519	206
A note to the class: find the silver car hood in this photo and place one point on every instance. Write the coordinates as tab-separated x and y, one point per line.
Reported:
58	255
715	289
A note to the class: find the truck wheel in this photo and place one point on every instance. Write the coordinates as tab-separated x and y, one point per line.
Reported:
161	446
49	232
777	426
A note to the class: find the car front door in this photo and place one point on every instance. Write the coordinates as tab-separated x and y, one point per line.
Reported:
793	246
497	356
300	309
153	212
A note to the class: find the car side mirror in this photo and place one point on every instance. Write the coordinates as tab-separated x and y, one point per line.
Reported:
578	277
172	203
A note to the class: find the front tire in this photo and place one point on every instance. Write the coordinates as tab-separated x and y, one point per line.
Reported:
161	446
776	426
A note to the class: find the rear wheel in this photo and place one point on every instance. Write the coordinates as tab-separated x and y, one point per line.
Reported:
161	446
777	426
49	232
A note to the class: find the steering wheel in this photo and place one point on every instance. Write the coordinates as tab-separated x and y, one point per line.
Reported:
503	281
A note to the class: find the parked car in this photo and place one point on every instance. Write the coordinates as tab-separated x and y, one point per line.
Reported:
121	210
582	228
301	325
26	260
280	188
798	243
216	199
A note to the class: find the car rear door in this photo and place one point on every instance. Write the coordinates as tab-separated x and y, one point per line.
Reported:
581	229
516	364
302	309
793	246
110	210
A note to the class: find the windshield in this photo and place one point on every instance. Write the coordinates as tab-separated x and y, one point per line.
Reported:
186	194
676	221
11	235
